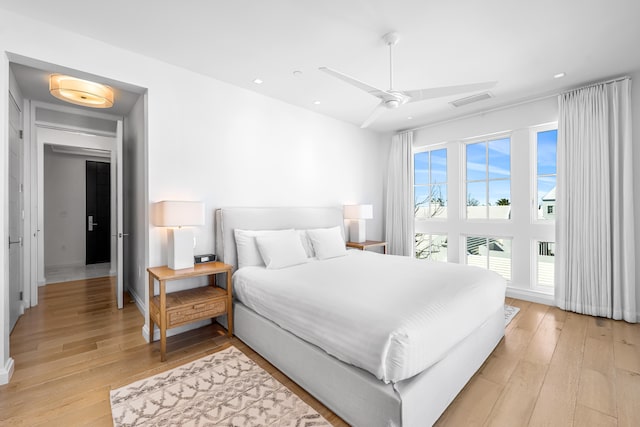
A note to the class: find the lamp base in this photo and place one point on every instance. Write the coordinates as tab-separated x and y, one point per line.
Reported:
357	231
180	249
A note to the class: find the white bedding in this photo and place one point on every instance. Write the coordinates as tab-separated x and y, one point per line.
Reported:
392	316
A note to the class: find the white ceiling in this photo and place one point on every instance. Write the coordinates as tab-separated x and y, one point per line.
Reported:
520	44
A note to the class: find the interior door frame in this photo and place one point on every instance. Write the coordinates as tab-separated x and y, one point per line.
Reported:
55	134
19	309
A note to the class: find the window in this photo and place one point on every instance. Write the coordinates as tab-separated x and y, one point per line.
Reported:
546	146
431	246
545	264
430	184
488	179
491	253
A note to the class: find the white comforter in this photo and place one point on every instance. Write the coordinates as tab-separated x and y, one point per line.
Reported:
393	316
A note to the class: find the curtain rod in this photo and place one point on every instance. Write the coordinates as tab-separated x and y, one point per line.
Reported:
606	82
504	107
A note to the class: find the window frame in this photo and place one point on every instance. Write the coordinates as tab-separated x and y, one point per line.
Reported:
431	234
429	149
533	138
463	246
463	172
535	276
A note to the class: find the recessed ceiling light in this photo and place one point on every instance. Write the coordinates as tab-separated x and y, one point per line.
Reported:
297	73
316	102
258	81
559	75
410	118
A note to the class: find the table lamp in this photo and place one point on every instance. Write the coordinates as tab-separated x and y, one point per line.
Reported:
357	214
180	241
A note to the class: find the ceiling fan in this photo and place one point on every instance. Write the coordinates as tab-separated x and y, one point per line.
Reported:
391	99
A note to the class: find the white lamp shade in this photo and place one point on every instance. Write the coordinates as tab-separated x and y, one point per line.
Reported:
178	213
358	211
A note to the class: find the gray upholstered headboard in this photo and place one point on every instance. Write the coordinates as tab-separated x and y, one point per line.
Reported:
228	219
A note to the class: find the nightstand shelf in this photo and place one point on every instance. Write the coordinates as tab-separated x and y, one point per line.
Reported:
171	309
368	244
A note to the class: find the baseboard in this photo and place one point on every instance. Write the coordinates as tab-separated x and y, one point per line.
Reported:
531	296
80	263
174	331
139	302
6	372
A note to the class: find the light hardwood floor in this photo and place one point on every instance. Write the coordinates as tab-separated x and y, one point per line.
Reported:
552	368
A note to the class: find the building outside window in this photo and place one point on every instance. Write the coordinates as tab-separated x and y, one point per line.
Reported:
545	264
490	253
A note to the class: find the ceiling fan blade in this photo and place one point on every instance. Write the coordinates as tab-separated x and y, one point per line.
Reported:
374	115
354	82
438	92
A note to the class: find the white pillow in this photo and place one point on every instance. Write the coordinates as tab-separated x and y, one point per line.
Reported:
248	254
306	243
327	242
281	250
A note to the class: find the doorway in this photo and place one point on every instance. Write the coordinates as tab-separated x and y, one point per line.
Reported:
48	122
63	222
98	212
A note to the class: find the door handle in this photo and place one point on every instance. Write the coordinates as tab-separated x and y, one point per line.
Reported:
13	242
90	222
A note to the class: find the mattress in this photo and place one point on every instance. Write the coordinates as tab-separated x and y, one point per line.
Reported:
392	316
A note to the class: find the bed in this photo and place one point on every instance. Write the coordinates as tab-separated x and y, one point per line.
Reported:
362	395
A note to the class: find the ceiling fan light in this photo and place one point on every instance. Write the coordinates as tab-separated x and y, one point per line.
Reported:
80	92
392	103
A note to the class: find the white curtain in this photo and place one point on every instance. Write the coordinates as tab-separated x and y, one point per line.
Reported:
399	216
595	253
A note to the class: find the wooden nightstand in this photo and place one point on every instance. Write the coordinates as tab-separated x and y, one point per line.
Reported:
368	244
169	310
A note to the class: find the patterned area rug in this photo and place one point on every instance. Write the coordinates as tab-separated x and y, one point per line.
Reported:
225	388
509	313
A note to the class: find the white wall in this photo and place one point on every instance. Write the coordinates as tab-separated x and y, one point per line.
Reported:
210	141
64	208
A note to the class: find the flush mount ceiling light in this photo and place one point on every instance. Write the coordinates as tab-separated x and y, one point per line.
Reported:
80	92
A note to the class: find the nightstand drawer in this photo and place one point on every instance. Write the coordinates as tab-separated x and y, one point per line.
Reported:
196	311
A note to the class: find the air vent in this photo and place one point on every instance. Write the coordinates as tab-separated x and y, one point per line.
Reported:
471	99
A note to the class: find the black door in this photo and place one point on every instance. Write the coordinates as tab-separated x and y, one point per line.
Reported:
98	221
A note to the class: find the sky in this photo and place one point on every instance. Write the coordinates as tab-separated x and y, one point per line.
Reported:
546	157
492	160
431	170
